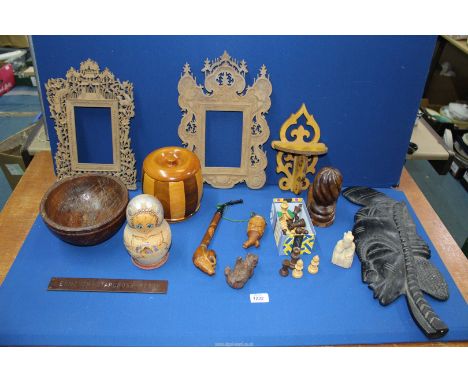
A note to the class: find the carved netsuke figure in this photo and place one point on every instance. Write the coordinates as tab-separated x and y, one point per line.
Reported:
323	195
343	253
147	235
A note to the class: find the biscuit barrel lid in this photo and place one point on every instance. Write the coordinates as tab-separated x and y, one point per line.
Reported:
173	175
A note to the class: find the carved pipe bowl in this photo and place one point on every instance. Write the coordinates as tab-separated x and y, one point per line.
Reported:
85	209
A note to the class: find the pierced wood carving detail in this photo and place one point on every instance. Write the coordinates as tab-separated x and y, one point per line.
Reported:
91	87
225	89
299	156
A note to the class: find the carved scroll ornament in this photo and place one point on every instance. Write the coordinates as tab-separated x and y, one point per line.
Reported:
225	90
298	156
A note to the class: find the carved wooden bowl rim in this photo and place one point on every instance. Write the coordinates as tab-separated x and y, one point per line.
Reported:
86	229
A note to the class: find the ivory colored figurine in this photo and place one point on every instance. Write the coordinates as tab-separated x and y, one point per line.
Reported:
255	230
297	272
147	236
285	216
343	253
313	266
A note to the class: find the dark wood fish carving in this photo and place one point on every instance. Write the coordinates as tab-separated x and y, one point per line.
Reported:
394	259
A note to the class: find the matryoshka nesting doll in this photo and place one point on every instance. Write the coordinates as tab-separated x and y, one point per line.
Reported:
147	235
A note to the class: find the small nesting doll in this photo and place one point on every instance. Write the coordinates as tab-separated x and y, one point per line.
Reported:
147	235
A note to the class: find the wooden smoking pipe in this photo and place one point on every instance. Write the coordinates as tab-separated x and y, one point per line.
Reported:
204	258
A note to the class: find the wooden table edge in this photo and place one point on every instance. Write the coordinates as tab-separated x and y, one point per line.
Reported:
23	207
450	253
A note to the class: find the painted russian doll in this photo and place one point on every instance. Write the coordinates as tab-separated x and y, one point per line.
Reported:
147	235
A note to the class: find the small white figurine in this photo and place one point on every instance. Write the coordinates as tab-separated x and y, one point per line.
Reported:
147	236
313	266
343	253
297	272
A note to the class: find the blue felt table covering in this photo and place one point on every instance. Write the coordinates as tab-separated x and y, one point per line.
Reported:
332	307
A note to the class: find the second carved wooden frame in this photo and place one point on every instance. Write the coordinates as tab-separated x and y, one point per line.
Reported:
225	90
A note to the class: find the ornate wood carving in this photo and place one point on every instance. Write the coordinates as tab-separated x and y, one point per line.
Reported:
90	87
225	89
298	156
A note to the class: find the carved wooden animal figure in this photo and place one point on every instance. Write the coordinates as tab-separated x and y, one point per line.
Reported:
323	195
284	216
255	230
205	259
242	272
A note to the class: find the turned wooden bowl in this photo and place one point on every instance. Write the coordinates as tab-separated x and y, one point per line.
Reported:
85	209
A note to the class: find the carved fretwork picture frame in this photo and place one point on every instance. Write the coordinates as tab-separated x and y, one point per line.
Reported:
225	89
89	87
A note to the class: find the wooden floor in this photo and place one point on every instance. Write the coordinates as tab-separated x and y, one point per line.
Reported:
21	209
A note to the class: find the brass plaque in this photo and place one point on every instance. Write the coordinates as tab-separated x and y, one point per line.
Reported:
77	284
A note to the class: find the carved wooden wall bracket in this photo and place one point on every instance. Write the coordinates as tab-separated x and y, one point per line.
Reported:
298	157
225	90
89	87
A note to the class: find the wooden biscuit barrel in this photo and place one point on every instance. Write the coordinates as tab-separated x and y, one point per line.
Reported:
173	175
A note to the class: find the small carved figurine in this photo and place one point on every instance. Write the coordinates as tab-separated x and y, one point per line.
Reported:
293	225
297	212
242	272
297	224
255	230
323	195
205	259
285	216
285	265
301	231
343	253
147	236
295	255
313	266
297	272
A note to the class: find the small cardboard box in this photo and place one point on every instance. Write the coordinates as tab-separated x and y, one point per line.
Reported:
13	158
284	242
